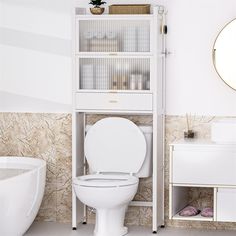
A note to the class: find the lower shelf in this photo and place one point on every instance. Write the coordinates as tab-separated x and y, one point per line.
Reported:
192	218
140	203
198	197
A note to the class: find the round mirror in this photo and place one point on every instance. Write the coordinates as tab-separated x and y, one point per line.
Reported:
224	54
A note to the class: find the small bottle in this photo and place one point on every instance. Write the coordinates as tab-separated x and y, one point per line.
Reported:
140	81
115	81
147	84
132	84
124	82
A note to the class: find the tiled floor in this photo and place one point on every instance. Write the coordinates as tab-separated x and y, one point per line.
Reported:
56	229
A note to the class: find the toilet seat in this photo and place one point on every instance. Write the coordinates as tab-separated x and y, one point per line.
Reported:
105	180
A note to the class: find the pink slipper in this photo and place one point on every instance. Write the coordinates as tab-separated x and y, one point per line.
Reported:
189	211
207	212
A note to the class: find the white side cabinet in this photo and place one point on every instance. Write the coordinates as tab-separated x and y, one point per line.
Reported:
119	68
195	165
226	204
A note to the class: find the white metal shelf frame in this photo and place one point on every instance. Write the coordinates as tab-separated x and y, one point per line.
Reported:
157	57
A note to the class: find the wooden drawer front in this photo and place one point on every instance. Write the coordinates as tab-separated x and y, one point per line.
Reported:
204	167
226	205
113	101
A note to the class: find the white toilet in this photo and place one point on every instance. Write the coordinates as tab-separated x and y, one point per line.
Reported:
115	149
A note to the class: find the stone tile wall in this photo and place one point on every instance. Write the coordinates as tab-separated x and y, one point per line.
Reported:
48	136
45	136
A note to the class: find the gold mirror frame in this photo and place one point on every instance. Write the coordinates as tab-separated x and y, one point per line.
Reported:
214	55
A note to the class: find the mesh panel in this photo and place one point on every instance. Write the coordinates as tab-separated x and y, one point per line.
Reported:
115	74
114	36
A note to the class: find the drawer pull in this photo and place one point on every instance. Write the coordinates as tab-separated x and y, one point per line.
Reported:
113	101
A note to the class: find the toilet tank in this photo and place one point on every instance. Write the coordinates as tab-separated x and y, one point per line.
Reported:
146	169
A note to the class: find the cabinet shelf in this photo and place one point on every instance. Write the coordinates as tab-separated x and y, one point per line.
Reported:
115	17
199	197
192	218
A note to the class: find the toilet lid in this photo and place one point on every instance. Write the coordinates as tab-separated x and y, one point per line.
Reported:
115	145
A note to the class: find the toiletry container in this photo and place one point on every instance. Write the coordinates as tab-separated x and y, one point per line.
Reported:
137	82
140	82
133	82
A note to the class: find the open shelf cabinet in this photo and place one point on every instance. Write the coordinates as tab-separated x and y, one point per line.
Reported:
183	196
211	183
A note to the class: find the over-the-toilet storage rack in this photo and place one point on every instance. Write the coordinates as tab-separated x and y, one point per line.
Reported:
119	68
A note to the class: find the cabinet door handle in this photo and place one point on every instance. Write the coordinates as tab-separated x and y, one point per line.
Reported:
113	101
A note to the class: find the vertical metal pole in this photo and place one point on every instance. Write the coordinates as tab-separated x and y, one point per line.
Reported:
159	120
155	140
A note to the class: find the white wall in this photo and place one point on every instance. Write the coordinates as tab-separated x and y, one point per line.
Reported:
192	83
37	52
1	50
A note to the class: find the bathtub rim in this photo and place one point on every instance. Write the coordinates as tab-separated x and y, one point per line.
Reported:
35	163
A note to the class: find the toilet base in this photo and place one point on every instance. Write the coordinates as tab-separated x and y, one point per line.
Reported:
110	222
122	232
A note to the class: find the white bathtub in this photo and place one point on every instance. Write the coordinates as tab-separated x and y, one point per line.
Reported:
22	183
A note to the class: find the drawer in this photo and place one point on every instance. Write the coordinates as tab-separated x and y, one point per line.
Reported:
204	167
226	205
113	101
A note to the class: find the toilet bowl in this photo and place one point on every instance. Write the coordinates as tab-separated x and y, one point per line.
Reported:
115	149
110	196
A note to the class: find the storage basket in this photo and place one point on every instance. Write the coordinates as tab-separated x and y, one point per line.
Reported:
129	9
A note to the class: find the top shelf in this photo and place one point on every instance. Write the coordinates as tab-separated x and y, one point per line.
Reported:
114	16
81	13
